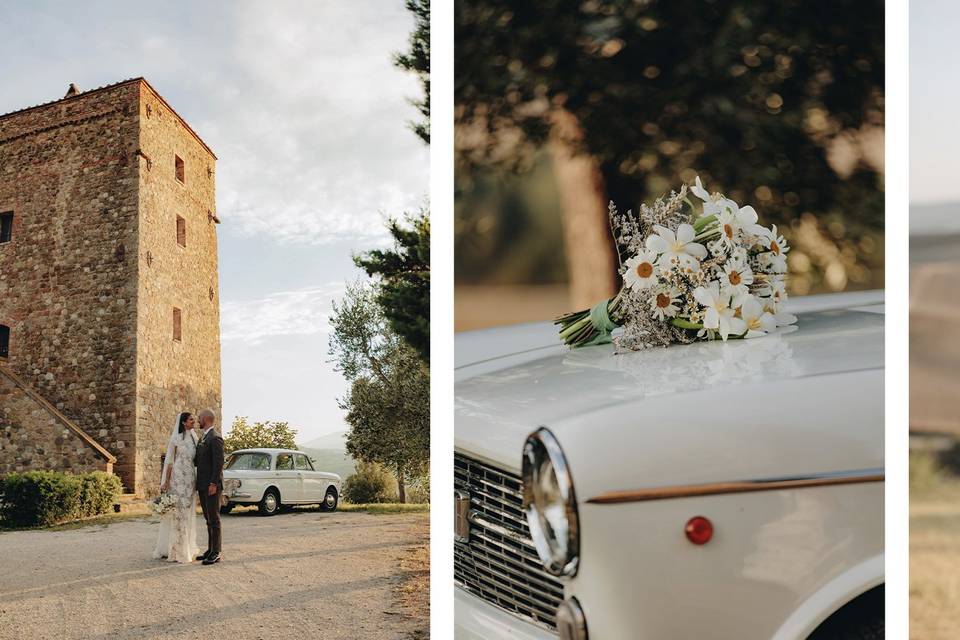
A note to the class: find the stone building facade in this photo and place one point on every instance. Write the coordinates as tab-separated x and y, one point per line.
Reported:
109	296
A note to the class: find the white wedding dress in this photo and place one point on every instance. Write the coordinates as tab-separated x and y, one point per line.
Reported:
177	539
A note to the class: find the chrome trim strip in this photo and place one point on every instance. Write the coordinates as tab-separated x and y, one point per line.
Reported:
856	476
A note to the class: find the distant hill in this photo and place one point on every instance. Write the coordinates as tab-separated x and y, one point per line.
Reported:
329	452
934	219
333	460
335	440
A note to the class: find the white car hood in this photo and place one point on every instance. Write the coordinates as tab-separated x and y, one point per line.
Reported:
708	404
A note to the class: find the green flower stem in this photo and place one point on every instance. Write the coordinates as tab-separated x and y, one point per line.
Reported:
709	233
702	222
683	323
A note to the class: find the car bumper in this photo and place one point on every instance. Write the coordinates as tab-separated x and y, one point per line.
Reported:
476	619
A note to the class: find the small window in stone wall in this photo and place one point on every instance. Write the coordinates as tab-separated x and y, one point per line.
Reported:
4	341
180	170
181	231
6	227
177	324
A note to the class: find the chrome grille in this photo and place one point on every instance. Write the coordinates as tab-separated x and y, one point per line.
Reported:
500	563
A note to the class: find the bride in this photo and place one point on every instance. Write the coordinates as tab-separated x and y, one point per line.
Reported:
177	539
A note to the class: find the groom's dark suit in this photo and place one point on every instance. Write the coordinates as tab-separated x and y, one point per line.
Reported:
209	462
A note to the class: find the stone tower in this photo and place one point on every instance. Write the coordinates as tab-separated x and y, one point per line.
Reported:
109	298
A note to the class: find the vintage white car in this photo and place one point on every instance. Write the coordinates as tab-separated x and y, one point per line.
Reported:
713	490
275	478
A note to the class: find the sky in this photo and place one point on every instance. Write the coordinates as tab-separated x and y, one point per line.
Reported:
934	96
308	117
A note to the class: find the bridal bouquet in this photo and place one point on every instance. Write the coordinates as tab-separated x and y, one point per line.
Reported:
163	503
688	275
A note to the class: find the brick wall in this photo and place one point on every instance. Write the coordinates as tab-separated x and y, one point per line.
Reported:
68	290
90	280
184	375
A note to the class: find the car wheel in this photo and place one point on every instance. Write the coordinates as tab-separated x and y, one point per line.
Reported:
270	504
870	629
330	500
862	619
227	508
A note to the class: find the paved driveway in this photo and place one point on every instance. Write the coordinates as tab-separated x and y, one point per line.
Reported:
300	575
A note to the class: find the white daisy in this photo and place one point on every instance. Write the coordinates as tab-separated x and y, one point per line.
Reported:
663	303
677	249
719	316
775	258
736	278
641	270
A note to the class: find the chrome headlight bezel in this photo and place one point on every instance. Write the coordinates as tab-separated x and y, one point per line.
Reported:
559	558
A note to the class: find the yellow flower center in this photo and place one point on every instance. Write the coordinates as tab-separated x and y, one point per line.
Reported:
663	300
644	269
734	278
754	323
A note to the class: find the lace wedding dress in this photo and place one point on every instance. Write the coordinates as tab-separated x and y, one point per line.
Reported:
177	539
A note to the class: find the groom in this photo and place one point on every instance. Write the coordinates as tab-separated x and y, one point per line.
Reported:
209	463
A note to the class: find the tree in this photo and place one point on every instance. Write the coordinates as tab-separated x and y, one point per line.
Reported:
388	405
756	97
244	435
403	291
417	60
390	421
361	341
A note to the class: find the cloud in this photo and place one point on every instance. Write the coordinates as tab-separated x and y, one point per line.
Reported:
311	122
286	313
300	100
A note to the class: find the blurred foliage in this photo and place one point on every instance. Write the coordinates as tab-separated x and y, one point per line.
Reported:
503	212
777	104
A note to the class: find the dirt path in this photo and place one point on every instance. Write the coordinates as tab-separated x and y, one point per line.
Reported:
304	575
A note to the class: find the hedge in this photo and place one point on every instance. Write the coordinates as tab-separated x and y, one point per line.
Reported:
368	484
44	498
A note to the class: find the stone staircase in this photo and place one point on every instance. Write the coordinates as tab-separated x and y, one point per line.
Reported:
24	405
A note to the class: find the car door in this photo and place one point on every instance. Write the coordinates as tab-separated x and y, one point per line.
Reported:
312	487
287	479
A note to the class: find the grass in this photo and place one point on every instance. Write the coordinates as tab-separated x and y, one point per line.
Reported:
934	549
383	508
101	520
142	511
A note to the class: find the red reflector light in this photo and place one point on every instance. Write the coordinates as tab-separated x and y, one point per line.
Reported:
699	530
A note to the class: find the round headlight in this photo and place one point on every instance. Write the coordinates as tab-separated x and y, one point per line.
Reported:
550	504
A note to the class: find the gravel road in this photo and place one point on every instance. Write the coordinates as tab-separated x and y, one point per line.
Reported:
300	575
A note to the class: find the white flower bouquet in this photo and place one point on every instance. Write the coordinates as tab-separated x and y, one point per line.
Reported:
163	503
688	276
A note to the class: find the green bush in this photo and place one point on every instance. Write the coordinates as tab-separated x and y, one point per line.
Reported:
370	483
98	492
44	498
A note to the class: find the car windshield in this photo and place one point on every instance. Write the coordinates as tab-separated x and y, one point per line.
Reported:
249	462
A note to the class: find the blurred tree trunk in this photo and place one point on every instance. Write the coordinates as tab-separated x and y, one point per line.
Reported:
591	261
